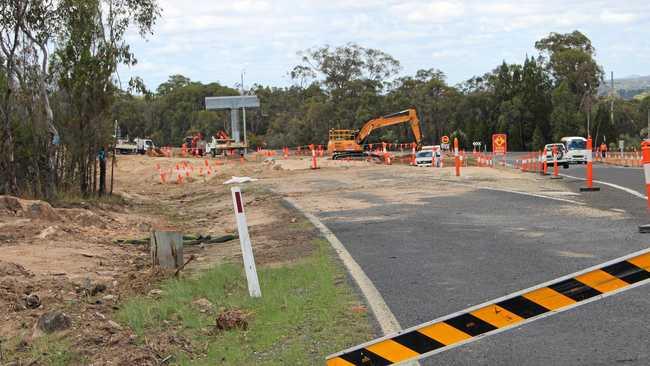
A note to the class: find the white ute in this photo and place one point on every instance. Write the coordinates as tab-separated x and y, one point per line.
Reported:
427	156
561	155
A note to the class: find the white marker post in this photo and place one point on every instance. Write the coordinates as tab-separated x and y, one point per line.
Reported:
245	241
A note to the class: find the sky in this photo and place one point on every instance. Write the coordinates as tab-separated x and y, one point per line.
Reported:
217	40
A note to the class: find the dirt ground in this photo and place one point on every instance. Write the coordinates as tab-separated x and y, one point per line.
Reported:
68	257
361	184
67	254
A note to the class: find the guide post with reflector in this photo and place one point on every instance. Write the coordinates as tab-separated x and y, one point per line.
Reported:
245	242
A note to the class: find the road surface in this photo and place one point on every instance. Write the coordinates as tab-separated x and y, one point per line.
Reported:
448	253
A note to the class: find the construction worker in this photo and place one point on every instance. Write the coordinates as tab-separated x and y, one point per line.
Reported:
603	150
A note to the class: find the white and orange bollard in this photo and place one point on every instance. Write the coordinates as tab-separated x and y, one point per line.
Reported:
314	164
413	155
590	169
556	168
645	150
544	163
456	157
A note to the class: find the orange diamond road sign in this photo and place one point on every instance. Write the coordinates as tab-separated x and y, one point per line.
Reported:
500	143
445	139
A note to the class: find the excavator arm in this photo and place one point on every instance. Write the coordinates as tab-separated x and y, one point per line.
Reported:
409	115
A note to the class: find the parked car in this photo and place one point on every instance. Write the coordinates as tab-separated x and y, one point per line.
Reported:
561	155
427	157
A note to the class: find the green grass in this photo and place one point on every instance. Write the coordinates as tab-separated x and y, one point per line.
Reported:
76	199
303	315
50	350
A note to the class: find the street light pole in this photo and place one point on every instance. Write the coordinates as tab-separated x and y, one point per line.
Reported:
244	114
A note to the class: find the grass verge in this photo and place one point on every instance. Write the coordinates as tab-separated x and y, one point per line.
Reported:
50	350
306	312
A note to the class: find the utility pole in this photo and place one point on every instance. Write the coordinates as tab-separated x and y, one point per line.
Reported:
244	113
611	107
114	155
589	116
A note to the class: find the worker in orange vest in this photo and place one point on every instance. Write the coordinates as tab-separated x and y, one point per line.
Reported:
603	150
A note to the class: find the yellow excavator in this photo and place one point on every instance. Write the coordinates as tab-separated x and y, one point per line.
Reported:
349	143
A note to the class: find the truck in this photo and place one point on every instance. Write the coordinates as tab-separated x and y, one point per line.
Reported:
221	143
576	149
138	146
124	146
144	145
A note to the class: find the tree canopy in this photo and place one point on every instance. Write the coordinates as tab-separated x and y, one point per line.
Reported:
550	95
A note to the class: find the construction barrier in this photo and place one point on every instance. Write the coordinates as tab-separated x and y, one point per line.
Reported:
498	315
556	169
456	157
314	164
590	170
646	169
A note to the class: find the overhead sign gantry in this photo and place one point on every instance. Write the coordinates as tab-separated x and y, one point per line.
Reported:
234	104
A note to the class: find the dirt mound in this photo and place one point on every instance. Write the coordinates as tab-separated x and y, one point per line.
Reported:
27	208
13	269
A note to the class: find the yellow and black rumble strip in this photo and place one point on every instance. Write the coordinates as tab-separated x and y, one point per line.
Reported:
504	313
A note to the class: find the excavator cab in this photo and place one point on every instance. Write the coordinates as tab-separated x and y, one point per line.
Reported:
342	142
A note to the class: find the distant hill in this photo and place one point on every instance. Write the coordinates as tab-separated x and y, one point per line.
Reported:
627	88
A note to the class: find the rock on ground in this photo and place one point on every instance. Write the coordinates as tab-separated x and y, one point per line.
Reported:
54	321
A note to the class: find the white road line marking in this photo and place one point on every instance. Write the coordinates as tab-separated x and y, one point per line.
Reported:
532	195
384	316
616	186
514	294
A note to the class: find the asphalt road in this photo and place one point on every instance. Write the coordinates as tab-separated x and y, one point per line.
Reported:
436	258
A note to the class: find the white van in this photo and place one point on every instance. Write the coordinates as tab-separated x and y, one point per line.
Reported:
576	149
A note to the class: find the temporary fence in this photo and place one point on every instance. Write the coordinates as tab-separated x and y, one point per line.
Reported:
628	159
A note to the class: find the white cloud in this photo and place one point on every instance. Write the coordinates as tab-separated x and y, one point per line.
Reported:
613	17
430	11
211	39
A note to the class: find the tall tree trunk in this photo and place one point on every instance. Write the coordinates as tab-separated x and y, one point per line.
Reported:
36	179
54	138
9	160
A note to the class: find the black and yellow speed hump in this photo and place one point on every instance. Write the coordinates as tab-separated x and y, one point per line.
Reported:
504	313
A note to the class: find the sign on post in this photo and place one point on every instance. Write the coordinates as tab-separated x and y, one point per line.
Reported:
444	143
621	145
245	242
499	143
